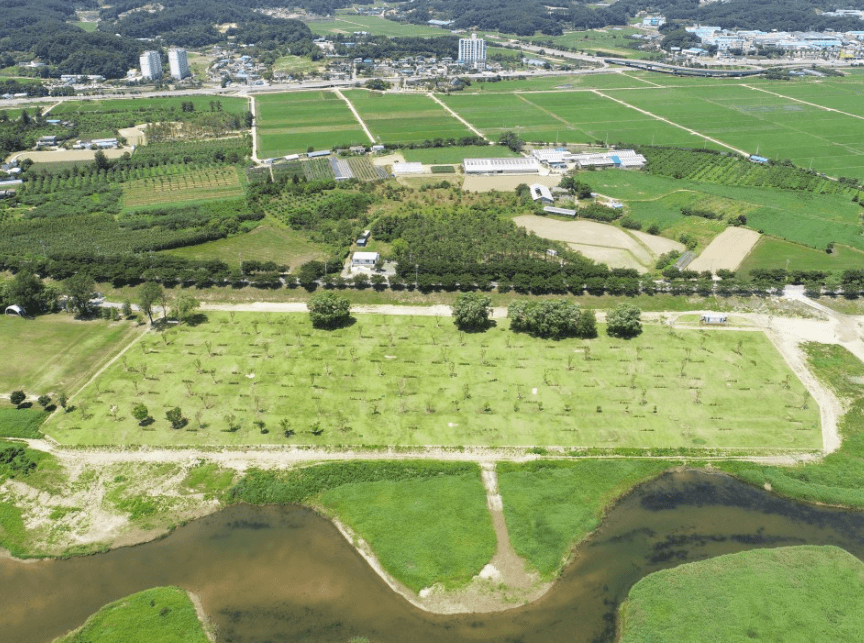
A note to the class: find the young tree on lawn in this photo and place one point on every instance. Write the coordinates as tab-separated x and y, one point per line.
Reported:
329	310
175	417
184	306
471	311
79	288
17	397
625	321
127	308
149	294
140	413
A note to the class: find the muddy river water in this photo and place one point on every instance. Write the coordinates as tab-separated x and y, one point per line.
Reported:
280	574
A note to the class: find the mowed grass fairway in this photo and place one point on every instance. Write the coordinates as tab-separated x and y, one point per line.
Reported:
188	185
405	118
55	353
790	594
389	380
295	121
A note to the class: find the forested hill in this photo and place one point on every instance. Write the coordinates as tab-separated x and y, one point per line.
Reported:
39	28
525	17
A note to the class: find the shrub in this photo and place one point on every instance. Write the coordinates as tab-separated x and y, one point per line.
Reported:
625	321
329	310
17	397
471	311
553	318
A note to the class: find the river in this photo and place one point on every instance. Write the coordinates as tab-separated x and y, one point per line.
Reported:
280	574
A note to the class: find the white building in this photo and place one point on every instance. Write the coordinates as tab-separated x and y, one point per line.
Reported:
179	63
518	165
540	192
407	168
364	258
624	159
472	51
151	65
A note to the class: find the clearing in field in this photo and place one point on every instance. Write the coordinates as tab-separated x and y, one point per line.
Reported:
726	251
296	121
404	118
391	380
56	353
601	242
188	185
270	241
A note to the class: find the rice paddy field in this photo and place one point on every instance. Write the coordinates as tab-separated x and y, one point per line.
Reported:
272	378
293	122
405	118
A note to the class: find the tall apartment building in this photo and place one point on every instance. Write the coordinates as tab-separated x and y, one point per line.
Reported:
151	65
179	64
472	51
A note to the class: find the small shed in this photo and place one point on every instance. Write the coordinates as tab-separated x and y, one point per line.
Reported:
365	258
14	310
713	320
540	192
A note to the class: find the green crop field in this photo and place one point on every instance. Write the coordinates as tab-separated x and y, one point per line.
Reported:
775	253
494	114
69	108
187	185
296	121
752	120
607	80
163	614
405	118
790	594
455	154
270	241
435	385
611	40
349	23
803	217
61	353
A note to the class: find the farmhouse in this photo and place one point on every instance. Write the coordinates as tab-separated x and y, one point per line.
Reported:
364	259
541	193
501	166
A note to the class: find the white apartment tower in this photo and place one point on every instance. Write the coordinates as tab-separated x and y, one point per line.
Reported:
151	65
472	51
179	64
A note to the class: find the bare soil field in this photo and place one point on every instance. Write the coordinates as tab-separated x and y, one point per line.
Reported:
66	156
597	241
508	182
727	250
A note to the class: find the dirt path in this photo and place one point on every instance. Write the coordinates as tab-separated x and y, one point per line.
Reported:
457	117
673	123
356	115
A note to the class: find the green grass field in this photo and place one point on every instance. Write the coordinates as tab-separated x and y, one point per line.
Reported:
455	155
163	614
550	506
448	535
437	386
344	23
293	122
270	241
613	41
202	184
774	253
404	118
56	352
790	594
87	26
605	80
296	64
21	423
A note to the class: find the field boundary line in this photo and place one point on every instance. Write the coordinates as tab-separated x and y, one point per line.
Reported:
105	366
546	111
624	73
254	110
356	115
666	120
804	102
457	117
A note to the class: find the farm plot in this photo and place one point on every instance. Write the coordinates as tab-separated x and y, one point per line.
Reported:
601	119
772	253
192	185
455	154
71	108
726	251
296	121
748	119
494	114
604	243
845	95
410	118
607	80
389	380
